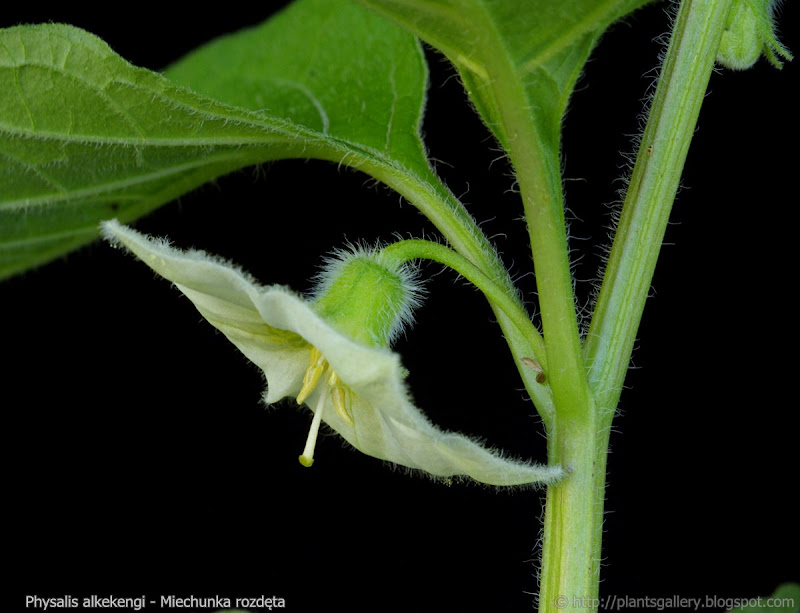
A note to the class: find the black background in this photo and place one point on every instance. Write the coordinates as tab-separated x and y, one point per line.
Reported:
142	461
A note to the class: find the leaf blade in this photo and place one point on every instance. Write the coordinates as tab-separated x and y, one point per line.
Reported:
383	112
85	136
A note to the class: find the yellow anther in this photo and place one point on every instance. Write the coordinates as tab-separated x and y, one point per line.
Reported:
339	397
316	368
340	404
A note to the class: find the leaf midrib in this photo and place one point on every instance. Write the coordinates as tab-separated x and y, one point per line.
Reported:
49	237
164	142
111	186
240	116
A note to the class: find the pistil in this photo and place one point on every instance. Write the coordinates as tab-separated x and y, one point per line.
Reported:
317	365
307	458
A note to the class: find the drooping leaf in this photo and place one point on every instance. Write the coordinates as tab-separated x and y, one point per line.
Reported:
85	136
541	44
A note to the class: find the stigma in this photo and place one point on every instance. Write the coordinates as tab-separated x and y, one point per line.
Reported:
332	389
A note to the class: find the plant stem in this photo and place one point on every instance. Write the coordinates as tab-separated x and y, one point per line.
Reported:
574	507
539	179
648	202
573	516
574	511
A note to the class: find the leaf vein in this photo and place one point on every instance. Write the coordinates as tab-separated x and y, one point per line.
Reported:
35	170
128	182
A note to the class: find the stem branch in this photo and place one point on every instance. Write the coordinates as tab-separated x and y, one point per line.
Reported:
648	202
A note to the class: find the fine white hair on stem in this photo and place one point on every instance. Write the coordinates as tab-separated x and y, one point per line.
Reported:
628	162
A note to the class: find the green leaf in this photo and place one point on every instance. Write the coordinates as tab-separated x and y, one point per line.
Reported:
785	599
85	136
542	44
304	65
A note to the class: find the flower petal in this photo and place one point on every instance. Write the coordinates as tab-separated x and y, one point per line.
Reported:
226	297
276	329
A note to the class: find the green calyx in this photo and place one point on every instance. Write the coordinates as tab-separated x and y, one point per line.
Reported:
750	31
366	295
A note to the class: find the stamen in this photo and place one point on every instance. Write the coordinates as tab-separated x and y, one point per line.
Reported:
316	367
339	396
307	459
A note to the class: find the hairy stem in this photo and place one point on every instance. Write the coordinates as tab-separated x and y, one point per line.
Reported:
574	512
648	202
539	182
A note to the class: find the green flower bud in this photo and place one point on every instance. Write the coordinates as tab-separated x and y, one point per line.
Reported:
750	31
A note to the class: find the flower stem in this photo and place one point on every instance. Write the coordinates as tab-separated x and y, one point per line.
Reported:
415	249
450	217
574	511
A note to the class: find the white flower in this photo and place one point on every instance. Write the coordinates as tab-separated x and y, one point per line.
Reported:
353	382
